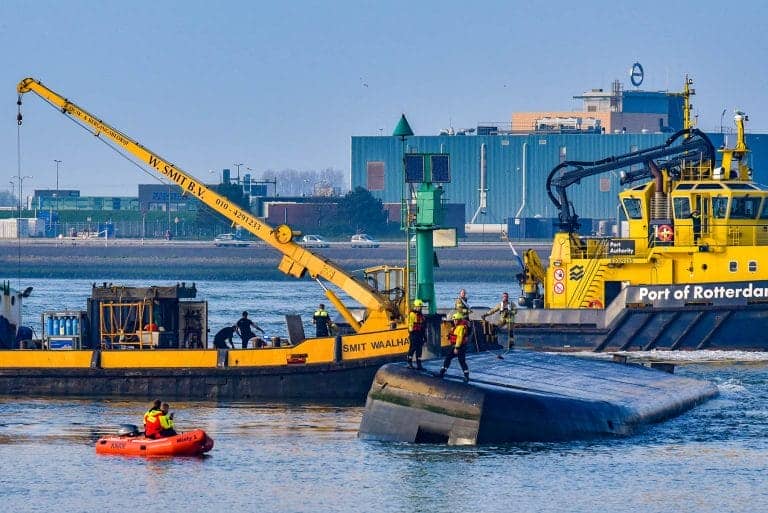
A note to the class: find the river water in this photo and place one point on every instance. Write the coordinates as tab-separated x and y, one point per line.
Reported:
306	457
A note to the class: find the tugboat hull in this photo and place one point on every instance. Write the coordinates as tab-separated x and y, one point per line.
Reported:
632	323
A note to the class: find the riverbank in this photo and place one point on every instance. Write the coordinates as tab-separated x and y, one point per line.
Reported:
182	260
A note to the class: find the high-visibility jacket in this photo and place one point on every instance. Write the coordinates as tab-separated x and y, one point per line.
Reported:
152	424
507	311
461	306
458	334
166	422
415	321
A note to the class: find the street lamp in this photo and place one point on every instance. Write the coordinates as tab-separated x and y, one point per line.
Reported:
721	120
21	189
57	184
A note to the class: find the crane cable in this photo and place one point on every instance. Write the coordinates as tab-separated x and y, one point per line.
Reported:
18	174
97	135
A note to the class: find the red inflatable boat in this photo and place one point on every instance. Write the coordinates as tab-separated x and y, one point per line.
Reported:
191	443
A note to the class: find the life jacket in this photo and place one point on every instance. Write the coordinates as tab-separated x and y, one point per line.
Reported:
166	422
415	321
459	329
507	312
461	306
152	425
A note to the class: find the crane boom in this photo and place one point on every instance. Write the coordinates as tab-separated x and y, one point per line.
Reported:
695	145
296	260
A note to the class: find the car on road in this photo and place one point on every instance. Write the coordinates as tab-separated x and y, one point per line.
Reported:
313	241
229	239
362	240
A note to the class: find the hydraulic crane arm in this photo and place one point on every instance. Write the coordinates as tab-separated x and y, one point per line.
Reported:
695	145
296	259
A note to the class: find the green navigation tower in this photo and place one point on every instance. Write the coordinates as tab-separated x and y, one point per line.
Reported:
423	213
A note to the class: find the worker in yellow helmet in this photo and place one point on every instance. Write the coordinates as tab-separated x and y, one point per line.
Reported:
457	337
415	334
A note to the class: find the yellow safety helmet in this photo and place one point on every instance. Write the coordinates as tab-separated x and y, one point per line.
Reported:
418	302
457	316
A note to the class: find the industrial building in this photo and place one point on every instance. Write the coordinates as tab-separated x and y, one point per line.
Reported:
500	174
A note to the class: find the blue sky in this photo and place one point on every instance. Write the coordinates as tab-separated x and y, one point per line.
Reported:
277	85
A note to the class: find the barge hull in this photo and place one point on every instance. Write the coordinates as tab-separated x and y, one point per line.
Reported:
347	381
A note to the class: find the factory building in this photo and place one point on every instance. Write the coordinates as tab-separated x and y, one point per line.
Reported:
499	175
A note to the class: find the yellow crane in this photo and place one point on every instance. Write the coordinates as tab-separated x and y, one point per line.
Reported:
383	309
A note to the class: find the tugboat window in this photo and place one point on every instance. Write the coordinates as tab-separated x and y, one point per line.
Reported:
719	207
743	207
682	208
632	206
733	266
752	266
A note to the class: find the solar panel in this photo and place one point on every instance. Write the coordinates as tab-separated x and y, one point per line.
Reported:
414	168
441	168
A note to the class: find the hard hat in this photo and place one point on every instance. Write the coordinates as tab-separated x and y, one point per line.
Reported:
418	302
457	316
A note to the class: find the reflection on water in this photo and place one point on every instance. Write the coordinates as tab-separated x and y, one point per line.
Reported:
307	458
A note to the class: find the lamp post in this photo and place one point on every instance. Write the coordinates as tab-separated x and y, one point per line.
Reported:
721	120
21	178
57	184
238	171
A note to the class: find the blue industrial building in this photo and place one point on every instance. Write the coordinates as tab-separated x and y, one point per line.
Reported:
507	187
517	166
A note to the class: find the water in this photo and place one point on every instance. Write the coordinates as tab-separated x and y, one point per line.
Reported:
267	302
303	457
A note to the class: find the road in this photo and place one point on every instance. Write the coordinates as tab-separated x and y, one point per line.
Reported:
160	259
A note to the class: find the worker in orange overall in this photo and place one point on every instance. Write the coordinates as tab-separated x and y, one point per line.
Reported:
415	334
152	425
457	337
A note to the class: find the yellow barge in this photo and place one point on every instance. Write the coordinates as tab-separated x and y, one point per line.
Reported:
339	367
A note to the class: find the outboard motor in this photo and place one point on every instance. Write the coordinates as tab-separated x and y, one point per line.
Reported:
129	430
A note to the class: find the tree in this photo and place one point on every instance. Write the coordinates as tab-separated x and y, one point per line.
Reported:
359	211
7	199
211	222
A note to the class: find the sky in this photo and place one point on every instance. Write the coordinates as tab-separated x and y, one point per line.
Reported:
285	85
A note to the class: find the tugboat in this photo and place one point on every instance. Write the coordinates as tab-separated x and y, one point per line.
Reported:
688	270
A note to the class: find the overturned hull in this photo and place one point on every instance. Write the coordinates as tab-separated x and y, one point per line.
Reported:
525	396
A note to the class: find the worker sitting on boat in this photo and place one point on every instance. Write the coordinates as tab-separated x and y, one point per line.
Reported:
152	425
166	421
